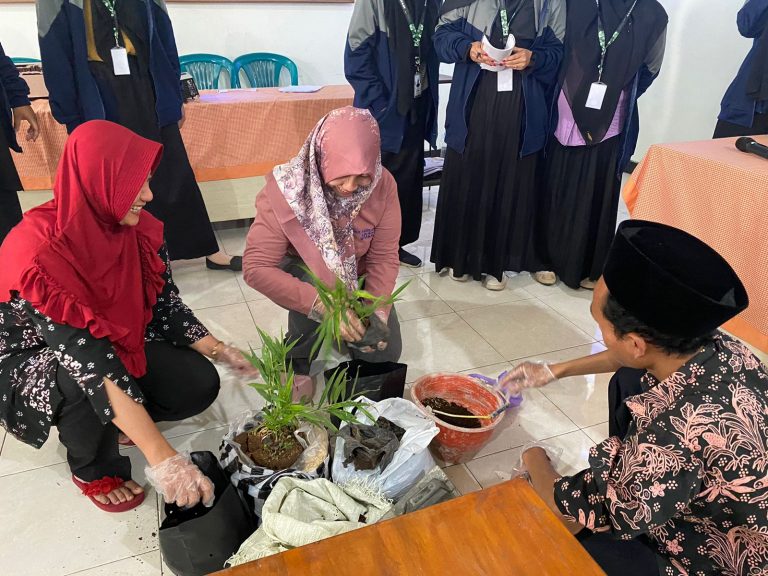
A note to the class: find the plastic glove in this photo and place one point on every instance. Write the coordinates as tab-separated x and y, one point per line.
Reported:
351	330
526	375
554	454
235	359
513	401
178	480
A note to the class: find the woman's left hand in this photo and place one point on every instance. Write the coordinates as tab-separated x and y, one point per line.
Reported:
235	359
520	59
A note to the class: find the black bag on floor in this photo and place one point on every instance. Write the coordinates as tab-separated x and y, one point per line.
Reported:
376	380
199	540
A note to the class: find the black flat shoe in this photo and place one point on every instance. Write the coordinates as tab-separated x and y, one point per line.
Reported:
408	259
235	264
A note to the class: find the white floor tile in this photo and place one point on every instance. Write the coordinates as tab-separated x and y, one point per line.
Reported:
584	399
574	306
468	295
145	565
502	466
47	527
462	479
16	456
203	288
232	323
232	240
525	328
597	433
443	344
535	419
248	293
269	317
418	301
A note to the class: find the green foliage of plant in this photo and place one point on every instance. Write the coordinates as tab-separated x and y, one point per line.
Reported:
276	388
337	301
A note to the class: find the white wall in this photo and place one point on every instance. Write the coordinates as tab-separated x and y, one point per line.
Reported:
704	50
312	35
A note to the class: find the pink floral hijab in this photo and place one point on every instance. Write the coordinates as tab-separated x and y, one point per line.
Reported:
345	142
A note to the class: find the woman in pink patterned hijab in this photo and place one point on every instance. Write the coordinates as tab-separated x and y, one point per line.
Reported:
335	209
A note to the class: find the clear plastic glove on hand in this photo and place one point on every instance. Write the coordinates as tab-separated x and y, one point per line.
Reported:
236	360
513	401
526	375
178	480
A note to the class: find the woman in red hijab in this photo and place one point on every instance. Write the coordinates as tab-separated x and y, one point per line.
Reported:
335	209
94	337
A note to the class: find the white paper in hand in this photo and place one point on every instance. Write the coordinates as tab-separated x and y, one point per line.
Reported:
497	54
596	95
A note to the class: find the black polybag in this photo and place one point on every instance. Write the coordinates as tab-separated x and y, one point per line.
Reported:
375	380
199	540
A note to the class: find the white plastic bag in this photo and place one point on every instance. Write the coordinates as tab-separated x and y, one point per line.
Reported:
411	460
256	482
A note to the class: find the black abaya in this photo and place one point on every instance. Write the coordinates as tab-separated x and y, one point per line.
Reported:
130	101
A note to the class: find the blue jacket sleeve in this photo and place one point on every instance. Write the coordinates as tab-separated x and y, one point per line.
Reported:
650	69
57	55
548	47
167	39
451	42
15	88
752	18
360	66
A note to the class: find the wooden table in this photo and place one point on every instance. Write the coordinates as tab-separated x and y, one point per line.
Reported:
228	134
719	195
501	531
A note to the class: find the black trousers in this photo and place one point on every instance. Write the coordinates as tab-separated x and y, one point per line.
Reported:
621	557
179	383
10	212
407	167
725	129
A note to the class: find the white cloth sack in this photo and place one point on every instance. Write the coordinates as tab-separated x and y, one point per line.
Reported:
411	460
300	512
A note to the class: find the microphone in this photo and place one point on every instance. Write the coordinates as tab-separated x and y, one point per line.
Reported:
749	145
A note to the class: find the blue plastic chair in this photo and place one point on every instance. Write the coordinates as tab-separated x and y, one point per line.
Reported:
263	69
25	60
206	69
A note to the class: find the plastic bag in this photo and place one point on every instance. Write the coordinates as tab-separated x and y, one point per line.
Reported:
255	482
411	460
198	540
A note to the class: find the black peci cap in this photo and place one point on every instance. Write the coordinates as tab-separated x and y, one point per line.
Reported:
671	280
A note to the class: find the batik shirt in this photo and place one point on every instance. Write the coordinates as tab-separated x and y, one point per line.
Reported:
33	349
692	472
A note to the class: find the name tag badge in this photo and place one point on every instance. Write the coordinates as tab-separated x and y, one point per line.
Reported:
120	61
416	85
596	96
505	80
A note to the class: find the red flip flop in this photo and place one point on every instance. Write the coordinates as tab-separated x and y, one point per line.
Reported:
105	486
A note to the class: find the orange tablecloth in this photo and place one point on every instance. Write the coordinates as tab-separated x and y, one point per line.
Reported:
232	134
720	195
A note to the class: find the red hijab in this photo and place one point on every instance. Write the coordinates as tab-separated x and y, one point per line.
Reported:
72	260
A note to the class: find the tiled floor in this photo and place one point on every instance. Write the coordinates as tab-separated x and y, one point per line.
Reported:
48	529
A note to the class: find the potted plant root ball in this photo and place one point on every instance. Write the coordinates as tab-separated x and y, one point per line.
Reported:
465	410
285	438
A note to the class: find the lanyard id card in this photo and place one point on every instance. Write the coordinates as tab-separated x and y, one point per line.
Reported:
416	34
596	95
605	45
119	54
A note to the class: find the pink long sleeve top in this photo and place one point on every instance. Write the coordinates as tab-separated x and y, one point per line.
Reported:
276	233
